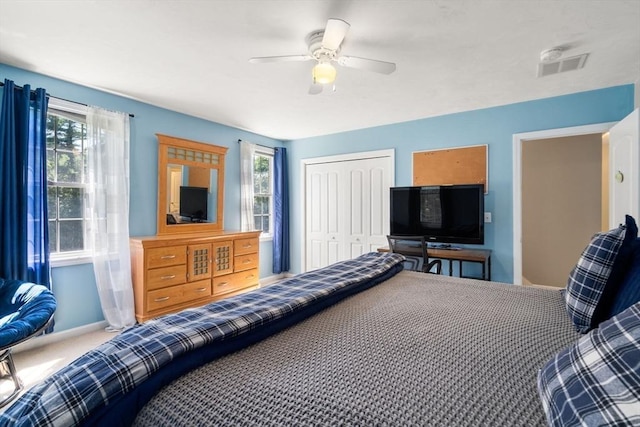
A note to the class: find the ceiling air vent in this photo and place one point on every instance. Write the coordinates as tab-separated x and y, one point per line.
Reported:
562	65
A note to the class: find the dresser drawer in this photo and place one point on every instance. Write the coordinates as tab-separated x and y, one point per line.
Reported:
245	262
164	257
166	276
234	282
245	246
173	295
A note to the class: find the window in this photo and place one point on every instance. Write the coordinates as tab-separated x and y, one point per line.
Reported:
263	191
66	171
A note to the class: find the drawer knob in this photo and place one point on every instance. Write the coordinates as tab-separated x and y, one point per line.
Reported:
247	246
167	257
173	276
223	283
161	299
246	261
201	289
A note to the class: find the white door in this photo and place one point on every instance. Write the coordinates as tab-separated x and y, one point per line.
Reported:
323	223
367	204
356	206
175	180
624	163
380	180
346	209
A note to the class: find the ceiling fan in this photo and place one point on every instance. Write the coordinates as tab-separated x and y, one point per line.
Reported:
324	48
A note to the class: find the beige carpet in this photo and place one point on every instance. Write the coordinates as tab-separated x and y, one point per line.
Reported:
36	364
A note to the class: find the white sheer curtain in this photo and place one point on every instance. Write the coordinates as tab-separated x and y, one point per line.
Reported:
107	204
247	150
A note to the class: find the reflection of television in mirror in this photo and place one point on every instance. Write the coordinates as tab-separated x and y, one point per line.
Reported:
193	203
446	214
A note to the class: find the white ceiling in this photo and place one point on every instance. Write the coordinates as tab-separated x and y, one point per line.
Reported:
192	56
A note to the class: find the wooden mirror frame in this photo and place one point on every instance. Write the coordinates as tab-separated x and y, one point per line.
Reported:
167	143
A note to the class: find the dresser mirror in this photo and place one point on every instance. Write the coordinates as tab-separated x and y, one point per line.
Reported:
190	186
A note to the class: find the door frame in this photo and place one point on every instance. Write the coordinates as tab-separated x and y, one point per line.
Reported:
363	155
518	139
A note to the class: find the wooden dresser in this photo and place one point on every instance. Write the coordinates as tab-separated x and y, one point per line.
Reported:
174	272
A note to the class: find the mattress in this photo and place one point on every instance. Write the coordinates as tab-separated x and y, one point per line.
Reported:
417	349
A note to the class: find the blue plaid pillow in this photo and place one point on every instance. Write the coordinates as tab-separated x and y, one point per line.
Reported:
628	293
589	277
596	381
615	288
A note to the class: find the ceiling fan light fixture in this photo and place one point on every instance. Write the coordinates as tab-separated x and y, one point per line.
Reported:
323	73
325	49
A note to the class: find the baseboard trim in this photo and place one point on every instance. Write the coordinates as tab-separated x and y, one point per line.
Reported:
59	336
266	281
553	288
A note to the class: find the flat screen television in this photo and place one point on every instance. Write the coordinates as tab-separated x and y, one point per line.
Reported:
445	214
193	203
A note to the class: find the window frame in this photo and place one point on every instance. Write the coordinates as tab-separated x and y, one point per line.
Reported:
270	154
76	112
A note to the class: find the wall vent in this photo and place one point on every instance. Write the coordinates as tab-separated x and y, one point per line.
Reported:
562	65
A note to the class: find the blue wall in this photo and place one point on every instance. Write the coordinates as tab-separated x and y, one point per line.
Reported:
492	126
75	286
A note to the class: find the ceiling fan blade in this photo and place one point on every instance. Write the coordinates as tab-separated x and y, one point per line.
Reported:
367	64
315	89
334	33
290	58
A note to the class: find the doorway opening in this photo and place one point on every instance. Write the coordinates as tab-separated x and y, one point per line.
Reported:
547	227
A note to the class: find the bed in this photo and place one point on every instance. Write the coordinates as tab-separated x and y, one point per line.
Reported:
417	349
357	343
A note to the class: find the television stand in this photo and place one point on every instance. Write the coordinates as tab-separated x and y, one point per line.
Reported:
479	256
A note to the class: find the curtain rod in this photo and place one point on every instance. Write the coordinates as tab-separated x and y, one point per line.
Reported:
259	145
49	95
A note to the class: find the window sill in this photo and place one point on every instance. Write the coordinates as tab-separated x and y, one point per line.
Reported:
266	237
66	260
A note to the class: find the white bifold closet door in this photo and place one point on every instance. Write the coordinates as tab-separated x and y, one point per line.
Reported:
347	209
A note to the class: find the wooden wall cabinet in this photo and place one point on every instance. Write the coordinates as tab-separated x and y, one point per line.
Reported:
171	273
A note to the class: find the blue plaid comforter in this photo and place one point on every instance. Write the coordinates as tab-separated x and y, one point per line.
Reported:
121	364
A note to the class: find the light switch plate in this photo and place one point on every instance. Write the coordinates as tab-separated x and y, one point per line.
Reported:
487	217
